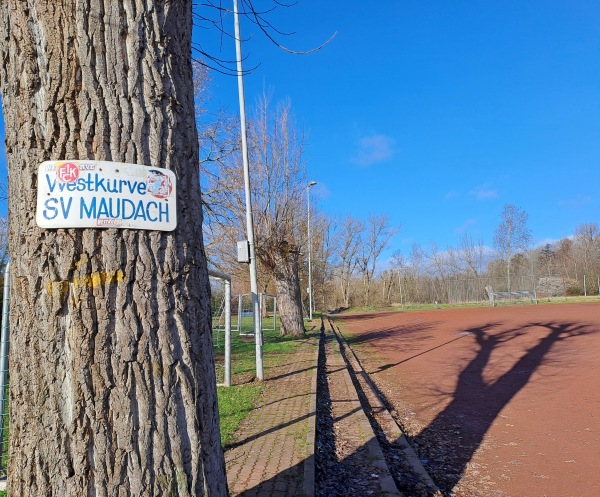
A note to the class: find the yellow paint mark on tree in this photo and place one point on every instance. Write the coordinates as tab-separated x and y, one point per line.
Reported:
58	287
94	280
84	260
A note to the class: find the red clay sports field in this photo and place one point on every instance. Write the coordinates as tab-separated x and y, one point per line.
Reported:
499	401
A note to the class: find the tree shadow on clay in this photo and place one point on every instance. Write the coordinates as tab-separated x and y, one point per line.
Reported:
452	438
414	336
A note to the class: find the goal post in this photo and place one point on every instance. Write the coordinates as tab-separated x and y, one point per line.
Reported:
268	310
226	313
497	298
245	327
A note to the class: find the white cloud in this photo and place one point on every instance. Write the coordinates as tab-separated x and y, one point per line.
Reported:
578	201
544	242
374	149
484	192
469	223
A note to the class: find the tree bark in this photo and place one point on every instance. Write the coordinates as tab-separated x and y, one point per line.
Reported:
112	378
287	285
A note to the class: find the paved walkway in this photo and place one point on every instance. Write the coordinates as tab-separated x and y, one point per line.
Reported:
273	452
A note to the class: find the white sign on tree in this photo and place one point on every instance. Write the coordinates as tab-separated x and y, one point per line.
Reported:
97	194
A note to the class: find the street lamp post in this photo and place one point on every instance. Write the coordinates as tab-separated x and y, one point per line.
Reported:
249	221
310	296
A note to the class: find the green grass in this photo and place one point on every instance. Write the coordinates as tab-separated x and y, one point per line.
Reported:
569	300
3	493
234	405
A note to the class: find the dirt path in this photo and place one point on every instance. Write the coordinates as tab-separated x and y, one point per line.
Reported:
497	401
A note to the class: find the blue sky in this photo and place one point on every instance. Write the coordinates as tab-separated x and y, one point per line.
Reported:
437	113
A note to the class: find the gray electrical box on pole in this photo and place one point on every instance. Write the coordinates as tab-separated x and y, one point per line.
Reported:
243	251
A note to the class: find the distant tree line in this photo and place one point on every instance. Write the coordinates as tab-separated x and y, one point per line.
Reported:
425	275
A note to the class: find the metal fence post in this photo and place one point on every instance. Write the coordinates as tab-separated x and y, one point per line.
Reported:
240	302
4	343
227	333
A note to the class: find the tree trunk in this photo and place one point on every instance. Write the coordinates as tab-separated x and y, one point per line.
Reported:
347	293
112	378
345	284
287	286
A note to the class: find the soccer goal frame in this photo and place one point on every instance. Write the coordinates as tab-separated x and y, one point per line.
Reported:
247	311
226	313
264	299
513	296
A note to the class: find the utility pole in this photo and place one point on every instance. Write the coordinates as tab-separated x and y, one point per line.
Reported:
249	222
310	296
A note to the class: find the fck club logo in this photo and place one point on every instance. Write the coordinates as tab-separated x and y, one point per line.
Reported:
67	172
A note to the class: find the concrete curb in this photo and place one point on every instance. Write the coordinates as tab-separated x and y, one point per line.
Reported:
386	482
308	486
411	457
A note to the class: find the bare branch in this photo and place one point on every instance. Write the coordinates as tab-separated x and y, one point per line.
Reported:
210	15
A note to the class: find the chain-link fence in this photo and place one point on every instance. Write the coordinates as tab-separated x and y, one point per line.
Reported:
465	290
406	290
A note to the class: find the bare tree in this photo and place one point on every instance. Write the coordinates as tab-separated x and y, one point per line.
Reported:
278	200
587	240
375	239
511	236
211	15
472	252
219	144
349	236
113	389
278	181
388	281
323	234
400	268
546	259
565	259
442	265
